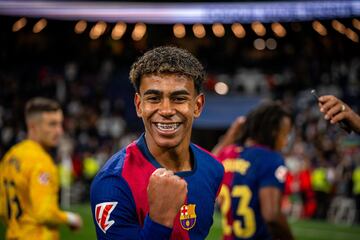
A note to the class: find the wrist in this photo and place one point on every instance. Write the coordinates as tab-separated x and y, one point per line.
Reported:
72	218
166	221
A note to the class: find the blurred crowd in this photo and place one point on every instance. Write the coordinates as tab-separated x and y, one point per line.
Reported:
92	86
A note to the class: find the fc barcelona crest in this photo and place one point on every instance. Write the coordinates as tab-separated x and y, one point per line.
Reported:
188	216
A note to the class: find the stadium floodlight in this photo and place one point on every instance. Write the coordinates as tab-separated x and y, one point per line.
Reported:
179	30
258	28
118	31
40	25
199	30
80	26
238	30
186	13
356	23
138	32
319	28
278	29
19	24
218	30
352	35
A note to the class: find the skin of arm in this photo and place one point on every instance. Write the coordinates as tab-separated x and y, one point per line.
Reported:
230	136
278	227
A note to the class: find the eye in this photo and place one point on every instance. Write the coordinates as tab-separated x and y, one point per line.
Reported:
180	99
153	99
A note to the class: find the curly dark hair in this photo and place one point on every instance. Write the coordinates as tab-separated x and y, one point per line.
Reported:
167	59
263	124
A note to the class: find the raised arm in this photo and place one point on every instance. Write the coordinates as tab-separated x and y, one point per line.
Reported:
230	136
115	213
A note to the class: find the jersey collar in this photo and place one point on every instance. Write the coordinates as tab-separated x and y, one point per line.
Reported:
141	143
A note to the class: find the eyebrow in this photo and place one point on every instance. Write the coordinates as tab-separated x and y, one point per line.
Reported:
175	93
180	92
152	91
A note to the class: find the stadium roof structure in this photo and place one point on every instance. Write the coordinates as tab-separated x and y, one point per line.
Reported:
183	12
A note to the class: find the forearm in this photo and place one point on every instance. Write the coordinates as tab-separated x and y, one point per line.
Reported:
354	121
230	136
279	229
121	220
50	215
46	210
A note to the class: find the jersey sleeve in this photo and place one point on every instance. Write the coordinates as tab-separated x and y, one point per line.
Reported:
2	195
272	171
44	189
228	152
114	212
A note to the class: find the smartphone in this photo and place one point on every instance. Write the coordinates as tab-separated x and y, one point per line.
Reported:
343	123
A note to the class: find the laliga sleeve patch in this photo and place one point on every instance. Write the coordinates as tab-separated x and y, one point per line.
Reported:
280	173
44	178
102	215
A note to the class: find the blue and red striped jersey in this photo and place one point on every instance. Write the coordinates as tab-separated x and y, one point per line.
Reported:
119	196
247	170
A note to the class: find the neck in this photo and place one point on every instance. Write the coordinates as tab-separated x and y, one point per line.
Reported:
175	159
33	137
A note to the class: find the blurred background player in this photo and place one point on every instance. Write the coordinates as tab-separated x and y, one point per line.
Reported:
336	110
254	175
161	186
29	178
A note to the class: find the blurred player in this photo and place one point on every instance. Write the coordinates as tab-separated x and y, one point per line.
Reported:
161	186
29	178
335	111
254	176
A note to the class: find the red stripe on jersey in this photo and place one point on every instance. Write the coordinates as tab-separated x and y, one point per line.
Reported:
137	171
178	232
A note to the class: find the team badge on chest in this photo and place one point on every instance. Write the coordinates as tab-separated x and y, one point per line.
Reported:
188	216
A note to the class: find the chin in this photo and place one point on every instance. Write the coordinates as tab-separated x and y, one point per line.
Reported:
53	144
167	143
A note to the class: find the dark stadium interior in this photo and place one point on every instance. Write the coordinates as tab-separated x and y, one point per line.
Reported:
90	79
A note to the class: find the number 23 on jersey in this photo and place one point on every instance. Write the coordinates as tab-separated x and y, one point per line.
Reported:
246	227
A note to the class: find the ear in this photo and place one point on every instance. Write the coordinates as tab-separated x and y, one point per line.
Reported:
199	104
137	102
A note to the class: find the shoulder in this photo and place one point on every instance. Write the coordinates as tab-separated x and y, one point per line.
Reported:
202	155
270	166
231	151
207	164
108	181
265	156
113	166
31	155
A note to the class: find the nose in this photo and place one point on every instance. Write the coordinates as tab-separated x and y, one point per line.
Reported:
166	108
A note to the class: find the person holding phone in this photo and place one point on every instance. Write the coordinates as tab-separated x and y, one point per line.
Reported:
335	111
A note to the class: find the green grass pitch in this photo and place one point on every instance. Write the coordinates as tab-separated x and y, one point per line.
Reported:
302	229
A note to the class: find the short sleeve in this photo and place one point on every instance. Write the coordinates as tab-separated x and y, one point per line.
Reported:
272	171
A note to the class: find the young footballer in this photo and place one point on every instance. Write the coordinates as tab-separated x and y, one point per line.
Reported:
161	186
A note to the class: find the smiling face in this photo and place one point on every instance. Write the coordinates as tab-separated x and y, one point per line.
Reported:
168	104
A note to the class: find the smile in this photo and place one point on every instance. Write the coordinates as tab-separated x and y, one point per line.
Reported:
167	126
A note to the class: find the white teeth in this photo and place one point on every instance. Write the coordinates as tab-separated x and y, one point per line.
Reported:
167	126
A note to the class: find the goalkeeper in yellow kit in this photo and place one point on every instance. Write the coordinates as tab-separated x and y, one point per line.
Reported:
29	181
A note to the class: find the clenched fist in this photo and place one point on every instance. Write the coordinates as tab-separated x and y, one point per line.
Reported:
166	194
